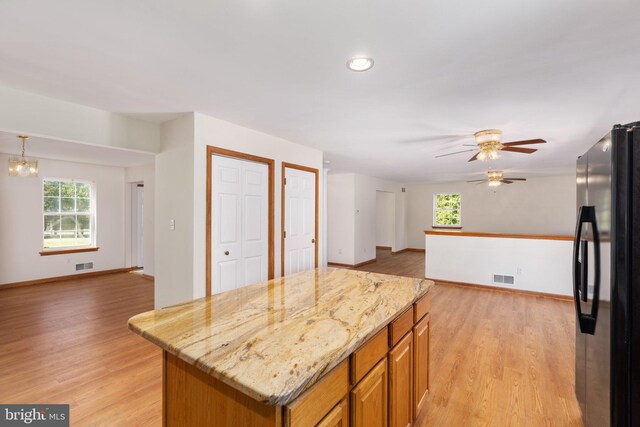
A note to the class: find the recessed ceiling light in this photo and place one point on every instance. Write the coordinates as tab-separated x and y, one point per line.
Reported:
359	64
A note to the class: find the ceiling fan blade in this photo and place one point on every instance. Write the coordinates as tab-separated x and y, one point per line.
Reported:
524	142
469	145
474	157
478	180
520	150
516	179
451	154
506	181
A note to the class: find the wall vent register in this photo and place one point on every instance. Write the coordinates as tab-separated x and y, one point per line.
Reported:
504	279
84	266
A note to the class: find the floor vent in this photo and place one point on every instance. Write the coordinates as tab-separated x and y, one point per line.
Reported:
501	278
84	266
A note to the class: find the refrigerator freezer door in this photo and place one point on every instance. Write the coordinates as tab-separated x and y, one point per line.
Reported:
598	345
581	339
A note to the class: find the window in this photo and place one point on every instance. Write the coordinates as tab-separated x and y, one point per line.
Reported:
447	210
69	214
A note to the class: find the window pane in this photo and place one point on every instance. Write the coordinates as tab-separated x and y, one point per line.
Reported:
84	226
51	227
82	190
52	204
82	205
67	204
68	226
52	188
67	189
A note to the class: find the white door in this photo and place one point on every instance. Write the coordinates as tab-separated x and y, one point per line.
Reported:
240	223
299	221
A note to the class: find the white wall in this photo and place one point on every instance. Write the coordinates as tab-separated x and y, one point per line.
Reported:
537	265
341	206
362	202
22	224
540	205
385	218
218	133
146	175
181	173
174	181
36	115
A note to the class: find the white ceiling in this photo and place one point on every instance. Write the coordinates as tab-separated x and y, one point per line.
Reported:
565	71
47	148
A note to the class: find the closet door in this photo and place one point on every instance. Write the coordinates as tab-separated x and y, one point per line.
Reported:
239	223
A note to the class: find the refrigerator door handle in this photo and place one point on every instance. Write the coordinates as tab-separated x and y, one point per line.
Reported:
587	322
584	251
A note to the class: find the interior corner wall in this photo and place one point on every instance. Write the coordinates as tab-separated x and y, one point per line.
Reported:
37	115
352	217
219	133
545	205
21	221
174	200
341	206
365	216
146	174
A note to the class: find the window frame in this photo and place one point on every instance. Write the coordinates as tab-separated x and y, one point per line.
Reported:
434	224
92	218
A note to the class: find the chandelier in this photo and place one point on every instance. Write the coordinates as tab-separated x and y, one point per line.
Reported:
21	166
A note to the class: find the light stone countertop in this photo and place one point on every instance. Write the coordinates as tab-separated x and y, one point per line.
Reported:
275	339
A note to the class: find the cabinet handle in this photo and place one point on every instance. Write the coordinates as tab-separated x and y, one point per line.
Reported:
226	252
313	240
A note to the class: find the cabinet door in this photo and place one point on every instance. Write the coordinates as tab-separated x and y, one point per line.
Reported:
369	398
338	417
401	383
421	364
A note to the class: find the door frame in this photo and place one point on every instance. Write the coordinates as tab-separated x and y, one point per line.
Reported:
211	151
283	210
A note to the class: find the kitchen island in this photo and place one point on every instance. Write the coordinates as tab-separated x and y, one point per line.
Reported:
323	346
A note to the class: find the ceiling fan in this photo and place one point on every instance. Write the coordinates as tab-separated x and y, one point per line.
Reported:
496	178
489	145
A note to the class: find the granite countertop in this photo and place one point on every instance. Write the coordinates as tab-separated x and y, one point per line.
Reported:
274	339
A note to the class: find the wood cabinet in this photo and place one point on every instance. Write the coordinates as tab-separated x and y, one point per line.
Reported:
421	364
338	417
401	383
369	398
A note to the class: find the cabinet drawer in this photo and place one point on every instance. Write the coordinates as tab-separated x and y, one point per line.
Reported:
421	307
338	417
400	326
368	355
316	403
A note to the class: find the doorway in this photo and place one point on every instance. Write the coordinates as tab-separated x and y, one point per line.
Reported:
299	218
137	225
385	220
239	220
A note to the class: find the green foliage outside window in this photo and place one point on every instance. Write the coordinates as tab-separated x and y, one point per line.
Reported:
447	210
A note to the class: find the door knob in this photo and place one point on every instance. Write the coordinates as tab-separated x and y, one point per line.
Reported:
313	240
226	252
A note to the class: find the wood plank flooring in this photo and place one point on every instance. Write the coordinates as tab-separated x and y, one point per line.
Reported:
497	359
68	342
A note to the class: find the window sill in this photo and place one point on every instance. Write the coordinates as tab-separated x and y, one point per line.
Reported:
447	227
67	251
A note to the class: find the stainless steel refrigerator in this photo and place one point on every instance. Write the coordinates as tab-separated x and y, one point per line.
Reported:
606	279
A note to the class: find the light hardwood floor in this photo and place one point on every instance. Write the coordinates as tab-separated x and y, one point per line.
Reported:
497	359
